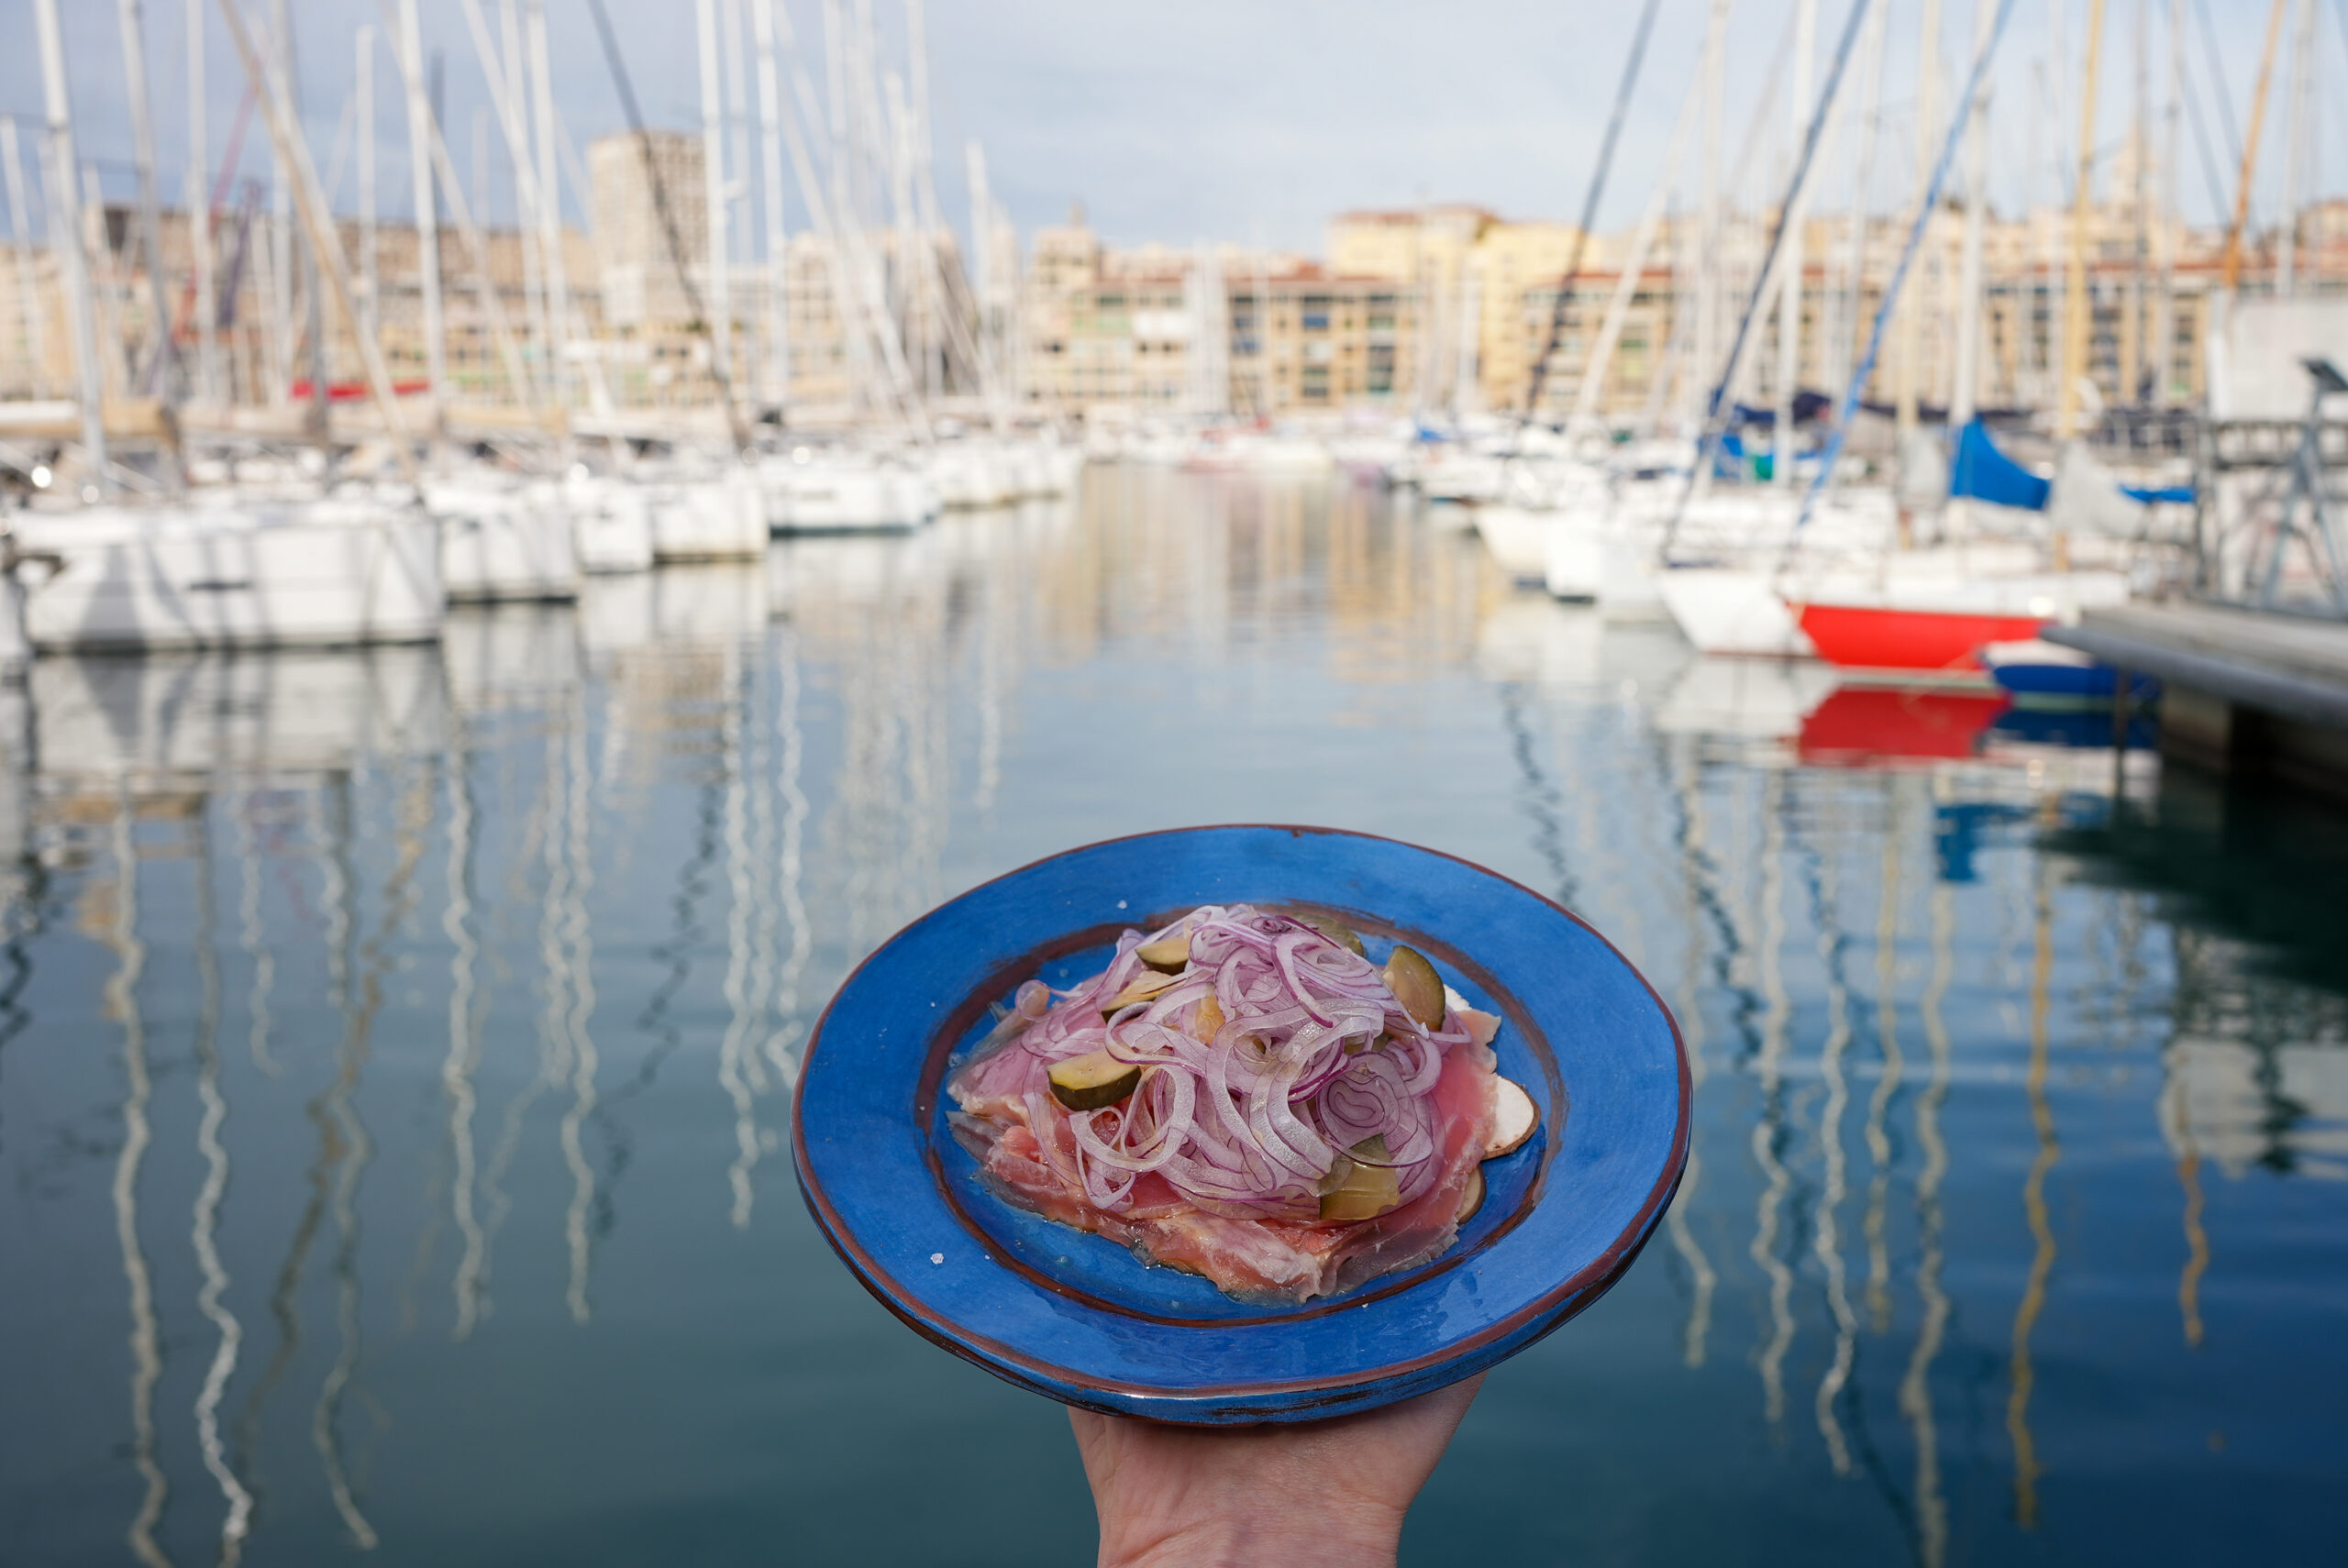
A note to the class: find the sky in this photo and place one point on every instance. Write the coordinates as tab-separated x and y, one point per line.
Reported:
1255	123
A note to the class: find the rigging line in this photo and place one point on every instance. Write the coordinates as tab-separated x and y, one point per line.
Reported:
1588	213
1789	210
1832	452
2218	83
675	242
2201	145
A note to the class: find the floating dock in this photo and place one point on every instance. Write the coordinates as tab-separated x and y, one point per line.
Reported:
2243	692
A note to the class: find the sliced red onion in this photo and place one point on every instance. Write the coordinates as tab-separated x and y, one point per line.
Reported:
1314	1058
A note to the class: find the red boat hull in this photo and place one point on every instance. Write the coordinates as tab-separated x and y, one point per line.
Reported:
1864	637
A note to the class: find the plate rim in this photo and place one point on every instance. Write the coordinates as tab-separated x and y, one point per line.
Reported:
1546	1312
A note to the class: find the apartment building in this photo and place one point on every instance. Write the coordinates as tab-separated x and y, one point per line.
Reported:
1309	338
1210	331
260	325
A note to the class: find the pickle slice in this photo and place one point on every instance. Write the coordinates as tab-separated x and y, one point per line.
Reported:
1092	1081
1140	988
1340	934
1167	953
1416	987
1367	1191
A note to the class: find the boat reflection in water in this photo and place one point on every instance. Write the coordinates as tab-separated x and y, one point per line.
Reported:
395	1048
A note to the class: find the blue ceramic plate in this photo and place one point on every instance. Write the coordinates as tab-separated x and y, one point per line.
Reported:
1080	1318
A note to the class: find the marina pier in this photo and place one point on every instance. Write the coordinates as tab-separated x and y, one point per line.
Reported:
2243	691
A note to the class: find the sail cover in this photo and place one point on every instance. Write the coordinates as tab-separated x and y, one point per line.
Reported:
1984	473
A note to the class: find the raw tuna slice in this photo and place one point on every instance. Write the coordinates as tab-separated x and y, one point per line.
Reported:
1243	1095
1252	1259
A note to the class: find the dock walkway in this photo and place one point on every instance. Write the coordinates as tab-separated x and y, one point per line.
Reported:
2243	690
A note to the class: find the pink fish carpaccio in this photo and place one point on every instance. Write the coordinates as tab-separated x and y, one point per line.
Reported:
1027	1151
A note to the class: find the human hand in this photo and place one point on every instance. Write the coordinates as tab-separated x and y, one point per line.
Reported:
1312	1494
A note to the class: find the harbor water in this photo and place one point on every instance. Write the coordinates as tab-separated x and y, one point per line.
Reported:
396	1047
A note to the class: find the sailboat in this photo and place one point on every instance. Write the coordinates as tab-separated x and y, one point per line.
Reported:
1907	613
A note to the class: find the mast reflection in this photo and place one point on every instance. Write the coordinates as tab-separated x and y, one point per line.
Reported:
146	1337
1770	1135
1826	1236
208	1197
2041	1265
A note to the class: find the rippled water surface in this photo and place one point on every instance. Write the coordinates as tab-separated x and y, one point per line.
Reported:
395	1048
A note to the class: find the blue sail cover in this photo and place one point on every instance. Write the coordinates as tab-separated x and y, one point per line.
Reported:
1984	473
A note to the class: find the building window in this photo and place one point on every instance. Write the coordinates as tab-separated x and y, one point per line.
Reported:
1316	321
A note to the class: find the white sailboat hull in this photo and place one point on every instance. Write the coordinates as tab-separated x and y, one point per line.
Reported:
1518	538
1732	609
258	575
831	498
611	525
1574	556
505	545
709	519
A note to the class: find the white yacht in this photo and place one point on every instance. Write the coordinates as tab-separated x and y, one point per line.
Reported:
229	572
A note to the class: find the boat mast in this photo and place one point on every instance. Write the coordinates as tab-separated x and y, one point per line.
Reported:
371	319
1790	291
739	220
770	164
2132	329
2078	314
506	63
2297	154
1839	431
65	235
20	246
2231	277
197	199
1567	284
2050	72
2165	314
162	361
1598	364
1771	272
1927	114
550	203
1708	250
427	213
1964	388
276	102
712	153
937	342
983	282
312	263
1875	54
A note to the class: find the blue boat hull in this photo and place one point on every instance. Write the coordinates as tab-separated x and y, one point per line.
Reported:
2093	682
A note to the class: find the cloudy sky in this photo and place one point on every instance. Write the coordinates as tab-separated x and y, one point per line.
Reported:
1254	123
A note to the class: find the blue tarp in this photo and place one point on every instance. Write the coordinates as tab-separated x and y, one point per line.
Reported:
1986	474
1730	459
2175	495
